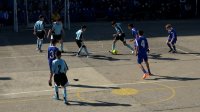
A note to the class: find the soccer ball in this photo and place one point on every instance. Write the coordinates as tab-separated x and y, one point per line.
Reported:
114	51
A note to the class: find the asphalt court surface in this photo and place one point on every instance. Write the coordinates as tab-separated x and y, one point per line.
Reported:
106	82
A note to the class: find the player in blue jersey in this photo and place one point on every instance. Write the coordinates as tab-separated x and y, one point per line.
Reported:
172	38
52	49
120	35
134	33
40	32
59	69
79	40
57	32
141	52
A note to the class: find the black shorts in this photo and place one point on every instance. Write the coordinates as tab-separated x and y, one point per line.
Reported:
40	34
119	37
60	79
57	37
79	43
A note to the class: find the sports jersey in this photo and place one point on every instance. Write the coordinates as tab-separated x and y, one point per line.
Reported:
59	66
51	53
134	33
142	45
39	26
57	28
172	35
118	28
79	34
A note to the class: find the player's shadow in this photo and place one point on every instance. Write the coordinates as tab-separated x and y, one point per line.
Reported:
102	57
97	104
159	77
89	86
193	53
5	78
159	57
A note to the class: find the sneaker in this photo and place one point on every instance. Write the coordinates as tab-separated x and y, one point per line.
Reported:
67	103
62	51
132	52
145	76
174	51
77	55
170	50
55	97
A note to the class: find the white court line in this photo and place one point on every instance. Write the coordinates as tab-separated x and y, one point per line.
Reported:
21	56
108	85
188	53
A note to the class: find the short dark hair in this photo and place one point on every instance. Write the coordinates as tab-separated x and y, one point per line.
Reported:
140	32
41	16
168	26
58	53
130	25
54	41
113	22
84	27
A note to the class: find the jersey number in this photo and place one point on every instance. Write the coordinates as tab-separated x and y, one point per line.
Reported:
59	68
51	55
143	44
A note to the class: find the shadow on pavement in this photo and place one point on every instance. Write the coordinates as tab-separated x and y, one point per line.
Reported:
159	77
89	86
159	57
97	103
5	78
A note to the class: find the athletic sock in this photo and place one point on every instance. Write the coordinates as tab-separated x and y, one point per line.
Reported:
65	94
113	46
56	91
129	47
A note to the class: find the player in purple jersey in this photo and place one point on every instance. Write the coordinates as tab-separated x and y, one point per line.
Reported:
172	38
134	33
52	49
142	48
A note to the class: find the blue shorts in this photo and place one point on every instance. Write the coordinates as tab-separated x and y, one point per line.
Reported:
173	42
142	57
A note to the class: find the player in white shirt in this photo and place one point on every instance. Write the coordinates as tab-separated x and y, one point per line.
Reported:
59	70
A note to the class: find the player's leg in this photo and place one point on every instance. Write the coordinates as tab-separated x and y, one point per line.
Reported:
61	43
169	45
56	84
147	64
174	47
116	38
140	60
64	84
38	40
79	43
125	44
86	51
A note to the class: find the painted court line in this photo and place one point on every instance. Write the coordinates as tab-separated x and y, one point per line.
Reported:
41	91
188	53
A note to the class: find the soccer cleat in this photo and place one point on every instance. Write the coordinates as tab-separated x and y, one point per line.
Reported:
146	75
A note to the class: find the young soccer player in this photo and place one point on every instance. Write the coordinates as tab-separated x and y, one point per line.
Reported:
172	38
59	69
57	32
52	49
120	35
142	48
134	33
40	32
79	40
